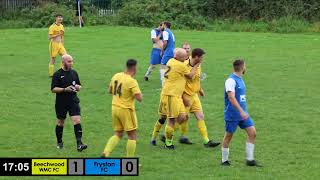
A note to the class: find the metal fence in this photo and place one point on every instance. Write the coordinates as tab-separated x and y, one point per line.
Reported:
104	7
12	5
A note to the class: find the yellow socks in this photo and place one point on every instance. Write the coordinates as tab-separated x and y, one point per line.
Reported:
184	126
112	142
169	135
203	130
176	126
51	69
156	130
131	147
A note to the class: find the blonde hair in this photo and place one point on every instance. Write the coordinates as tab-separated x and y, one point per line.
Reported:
185	43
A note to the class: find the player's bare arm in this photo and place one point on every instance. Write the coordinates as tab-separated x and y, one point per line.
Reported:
77	87
62	37
157	43
138	97
165	43
193	71
62	90
186	102
234	102
54	36
110	90
201	92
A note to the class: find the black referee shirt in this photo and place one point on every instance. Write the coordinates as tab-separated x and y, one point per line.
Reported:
63	79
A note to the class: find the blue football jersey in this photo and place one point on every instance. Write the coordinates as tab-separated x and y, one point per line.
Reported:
230	112
169	51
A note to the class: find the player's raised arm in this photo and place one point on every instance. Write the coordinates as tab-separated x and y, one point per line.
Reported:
197	55
193	71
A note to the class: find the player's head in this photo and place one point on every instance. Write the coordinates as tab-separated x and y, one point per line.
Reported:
167	24
186	46
59	18
67	61
161	26
180	54
239	66
131	66
197	54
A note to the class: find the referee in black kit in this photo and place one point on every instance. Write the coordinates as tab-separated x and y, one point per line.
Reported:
66	83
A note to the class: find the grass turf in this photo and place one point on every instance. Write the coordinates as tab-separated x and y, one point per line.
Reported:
282	93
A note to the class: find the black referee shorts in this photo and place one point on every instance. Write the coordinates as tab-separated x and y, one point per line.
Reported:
62	108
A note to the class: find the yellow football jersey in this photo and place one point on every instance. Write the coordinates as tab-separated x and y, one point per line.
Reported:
124	87
175	80
54	29
193	85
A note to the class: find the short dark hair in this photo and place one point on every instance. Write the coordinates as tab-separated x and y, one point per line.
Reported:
131	63
237	64
197	52
167	23
58	15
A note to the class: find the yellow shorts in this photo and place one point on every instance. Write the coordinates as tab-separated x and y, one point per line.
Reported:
55	49
195	103
171	106
124	119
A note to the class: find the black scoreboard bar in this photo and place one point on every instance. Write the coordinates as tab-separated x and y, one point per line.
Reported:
69	167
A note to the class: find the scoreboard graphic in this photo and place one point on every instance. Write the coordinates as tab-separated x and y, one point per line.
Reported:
69	167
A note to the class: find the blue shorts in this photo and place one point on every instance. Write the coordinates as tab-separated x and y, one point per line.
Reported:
231	126
155	57
165	59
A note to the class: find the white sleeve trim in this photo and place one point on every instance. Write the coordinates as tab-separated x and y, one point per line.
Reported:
165	36
230	85
153	34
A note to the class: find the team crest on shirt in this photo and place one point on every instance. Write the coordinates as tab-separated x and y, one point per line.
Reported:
242	98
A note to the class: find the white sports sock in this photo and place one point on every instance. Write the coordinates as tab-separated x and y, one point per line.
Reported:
149	71
249	151
225	154
162	72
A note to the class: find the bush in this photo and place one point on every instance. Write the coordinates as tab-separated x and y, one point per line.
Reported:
282	16
288	25
44	16
182	14
257	9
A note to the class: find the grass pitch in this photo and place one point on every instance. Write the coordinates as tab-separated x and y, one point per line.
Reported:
282	92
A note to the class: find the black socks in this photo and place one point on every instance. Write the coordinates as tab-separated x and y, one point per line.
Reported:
59	132
78	133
